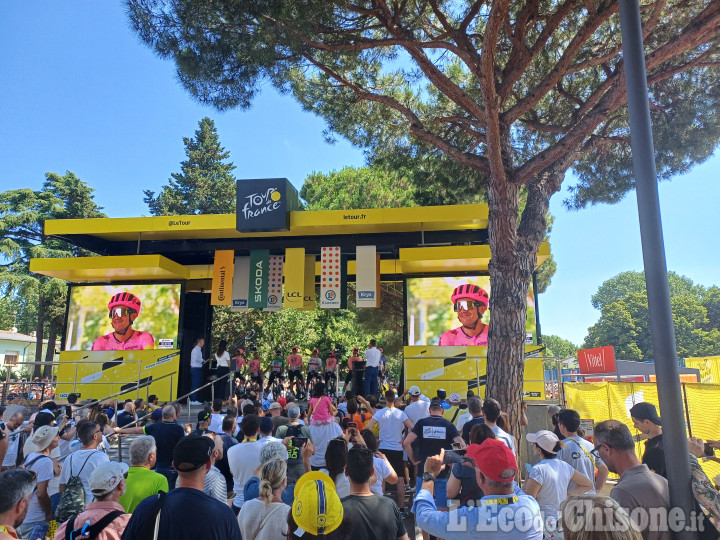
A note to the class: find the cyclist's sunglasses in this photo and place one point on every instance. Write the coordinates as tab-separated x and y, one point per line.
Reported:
466	305
120	312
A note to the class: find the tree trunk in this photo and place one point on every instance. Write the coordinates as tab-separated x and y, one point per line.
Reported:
37	368
50	352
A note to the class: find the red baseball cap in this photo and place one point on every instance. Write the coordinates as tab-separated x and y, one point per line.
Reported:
493	457
282	401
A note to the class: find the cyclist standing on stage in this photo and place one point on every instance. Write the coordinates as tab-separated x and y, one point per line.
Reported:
330	368
314	366
295	364
240	363
351	361
277	370
255	374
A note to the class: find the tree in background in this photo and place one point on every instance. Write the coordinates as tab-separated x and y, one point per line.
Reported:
204	185
516	91
624	317
559	347
23	213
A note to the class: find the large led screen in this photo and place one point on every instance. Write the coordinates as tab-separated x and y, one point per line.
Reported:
435	319
123	317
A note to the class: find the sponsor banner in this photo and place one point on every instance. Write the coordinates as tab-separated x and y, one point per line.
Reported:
367	276
343	281
265	204
241	284
294	278
275	281
309	285
222	278
101	373
598	360
259	264
330	290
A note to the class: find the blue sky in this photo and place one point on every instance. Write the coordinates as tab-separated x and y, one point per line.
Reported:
79	92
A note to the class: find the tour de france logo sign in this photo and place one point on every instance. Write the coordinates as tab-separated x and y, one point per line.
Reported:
264	204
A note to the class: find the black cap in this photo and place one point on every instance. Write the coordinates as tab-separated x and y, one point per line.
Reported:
43	419
192	452
203	416
436	404
645	411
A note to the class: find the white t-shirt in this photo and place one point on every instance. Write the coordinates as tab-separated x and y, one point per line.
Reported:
382	471
391	425
223	360
243	459
342	483
372	357
462	419
12	450
554	477
505	437
43	467
75	465
216	422
417	410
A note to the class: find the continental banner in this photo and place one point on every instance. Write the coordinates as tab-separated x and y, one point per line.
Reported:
309	284
98	374
294	278
275	282
367	277
459	369
259	262
222	278
241	284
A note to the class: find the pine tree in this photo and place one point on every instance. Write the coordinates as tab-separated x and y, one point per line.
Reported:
204	185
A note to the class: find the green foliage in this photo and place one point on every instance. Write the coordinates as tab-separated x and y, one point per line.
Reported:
624	318
559	347
205	184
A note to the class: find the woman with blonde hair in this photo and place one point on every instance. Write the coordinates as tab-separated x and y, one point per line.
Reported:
594	517
265	518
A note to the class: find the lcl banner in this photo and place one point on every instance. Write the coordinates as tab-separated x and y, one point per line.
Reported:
367	277
294	270
240	284
598	360
275	282
259	265
222	278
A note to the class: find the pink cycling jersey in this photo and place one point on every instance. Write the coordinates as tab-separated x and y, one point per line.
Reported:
254	366
137	342
331	364
295	361
458	337
239	362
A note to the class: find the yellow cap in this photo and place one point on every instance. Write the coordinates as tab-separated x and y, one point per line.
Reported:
317	508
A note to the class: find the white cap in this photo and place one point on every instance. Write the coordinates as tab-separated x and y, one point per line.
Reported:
107	477
414	390
545	439
40	440
455	398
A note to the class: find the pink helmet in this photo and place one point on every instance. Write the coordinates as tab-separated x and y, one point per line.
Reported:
127	300
240	351
332	353
473	292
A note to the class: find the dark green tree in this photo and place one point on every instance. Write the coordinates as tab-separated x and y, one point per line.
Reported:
518	91
559	347
624	317
204	185
23	213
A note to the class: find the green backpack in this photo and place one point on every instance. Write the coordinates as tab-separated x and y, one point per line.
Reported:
72	500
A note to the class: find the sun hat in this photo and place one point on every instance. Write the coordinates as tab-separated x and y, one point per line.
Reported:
317	508
40	440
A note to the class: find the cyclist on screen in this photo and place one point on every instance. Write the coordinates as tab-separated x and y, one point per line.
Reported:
124	309
470	303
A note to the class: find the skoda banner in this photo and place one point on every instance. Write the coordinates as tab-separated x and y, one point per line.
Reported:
259	266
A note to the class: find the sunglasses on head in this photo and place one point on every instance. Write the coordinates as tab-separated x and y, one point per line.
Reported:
466	305
120	312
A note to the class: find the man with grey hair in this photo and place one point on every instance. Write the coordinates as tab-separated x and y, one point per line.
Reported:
16	488
141	481
475	410
638	486
14	416
166	434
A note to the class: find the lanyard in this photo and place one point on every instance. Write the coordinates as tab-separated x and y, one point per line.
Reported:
505	500
583	449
